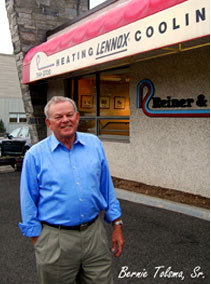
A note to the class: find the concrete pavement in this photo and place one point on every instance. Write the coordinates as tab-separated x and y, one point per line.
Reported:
164	204
161	247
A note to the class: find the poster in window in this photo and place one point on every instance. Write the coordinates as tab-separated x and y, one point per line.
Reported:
105	102
86	101
119	102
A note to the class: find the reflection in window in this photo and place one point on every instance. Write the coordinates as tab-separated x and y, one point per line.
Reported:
87	125
114	127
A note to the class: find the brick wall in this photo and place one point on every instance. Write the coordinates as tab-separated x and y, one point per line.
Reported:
29	21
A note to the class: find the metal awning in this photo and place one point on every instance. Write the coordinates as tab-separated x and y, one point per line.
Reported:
131	28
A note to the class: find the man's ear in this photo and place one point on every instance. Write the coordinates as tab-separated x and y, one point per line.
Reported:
78	118
78	115
48	123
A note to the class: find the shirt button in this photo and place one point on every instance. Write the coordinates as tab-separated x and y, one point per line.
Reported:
74	167
81	199
78	183
82	215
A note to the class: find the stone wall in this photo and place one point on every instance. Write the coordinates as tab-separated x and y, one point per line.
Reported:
29	21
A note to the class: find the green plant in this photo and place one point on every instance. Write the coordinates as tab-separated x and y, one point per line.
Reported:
2	128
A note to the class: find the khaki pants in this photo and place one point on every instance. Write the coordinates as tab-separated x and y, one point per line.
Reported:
70	257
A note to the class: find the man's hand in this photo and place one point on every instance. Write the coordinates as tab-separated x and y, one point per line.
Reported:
34	239
117	240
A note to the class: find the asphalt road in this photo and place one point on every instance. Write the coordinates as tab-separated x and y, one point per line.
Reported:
161	247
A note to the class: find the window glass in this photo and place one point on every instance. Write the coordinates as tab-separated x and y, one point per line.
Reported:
103	103
13	117
87	96
114	93
22	118
114	103
87	125
114	127
17	117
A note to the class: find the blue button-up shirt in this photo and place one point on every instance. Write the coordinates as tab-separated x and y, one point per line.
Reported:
66	187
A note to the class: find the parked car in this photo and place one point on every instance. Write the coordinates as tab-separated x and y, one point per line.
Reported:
16	143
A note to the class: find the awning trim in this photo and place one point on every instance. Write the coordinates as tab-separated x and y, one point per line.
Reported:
119	16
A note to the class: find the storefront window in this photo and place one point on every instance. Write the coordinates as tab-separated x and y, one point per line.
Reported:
114	127
87	125
114	102
87	96
103	103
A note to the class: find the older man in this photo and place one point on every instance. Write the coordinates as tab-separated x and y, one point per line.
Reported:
65	184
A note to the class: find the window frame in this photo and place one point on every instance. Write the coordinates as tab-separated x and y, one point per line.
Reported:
18	116
97	117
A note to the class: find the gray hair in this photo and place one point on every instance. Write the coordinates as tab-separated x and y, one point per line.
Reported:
58	99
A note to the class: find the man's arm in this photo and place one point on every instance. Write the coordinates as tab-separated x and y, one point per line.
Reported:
113	211
117	237
29	195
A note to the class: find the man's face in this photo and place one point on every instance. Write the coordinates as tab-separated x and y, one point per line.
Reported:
63	120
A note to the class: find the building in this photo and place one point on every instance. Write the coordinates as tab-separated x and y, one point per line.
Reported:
139	72
11	105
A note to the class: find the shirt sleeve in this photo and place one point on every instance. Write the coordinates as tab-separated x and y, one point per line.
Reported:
29	195
113	210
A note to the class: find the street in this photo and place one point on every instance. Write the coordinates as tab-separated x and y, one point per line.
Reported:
160	246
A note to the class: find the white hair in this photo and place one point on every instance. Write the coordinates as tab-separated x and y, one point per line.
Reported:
58	99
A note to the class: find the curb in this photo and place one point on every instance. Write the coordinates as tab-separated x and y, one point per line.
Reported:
6	169
193	211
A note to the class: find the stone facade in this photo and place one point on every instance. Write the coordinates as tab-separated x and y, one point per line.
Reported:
29	21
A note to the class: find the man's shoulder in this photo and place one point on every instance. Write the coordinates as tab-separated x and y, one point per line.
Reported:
88	138
91	143
39	145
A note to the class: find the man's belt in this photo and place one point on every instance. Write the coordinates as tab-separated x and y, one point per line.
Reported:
80	227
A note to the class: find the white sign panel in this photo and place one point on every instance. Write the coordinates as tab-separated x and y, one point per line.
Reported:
183	22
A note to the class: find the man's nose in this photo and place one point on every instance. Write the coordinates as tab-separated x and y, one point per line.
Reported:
65	118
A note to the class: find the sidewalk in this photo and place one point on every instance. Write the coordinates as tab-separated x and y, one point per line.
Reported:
7	169
164	204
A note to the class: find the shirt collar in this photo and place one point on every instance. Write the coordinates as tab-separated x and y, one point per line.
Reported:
55	142
80	139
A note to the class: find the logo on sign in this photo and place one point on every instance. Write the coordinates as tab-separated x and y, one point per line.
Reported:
169	107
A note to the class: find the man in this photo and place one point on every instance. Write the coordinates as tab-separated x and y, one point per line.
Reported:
65	184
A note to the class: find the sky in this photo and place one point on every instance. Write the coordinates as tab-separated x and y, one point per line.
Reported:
6	43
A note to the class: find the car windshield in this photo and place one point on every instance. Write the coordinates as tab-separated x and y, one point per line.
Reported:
15	133
20	132
24	132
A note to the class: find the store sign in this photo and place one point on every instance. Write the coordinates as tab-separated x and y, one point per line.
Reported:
183	22
155	106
